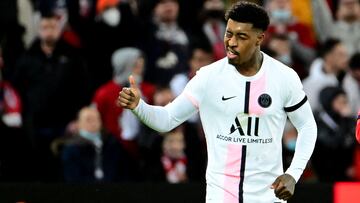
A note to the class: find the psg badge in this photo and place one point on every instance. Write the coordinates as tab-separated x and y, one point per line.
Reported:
264	100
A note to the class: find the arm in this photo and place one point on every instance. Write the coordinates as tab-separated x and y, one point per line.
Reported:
159	118
323	20
304	122
164	119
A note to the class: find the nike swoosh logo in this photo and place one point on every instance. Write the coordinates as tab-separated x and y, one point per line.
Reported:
224	99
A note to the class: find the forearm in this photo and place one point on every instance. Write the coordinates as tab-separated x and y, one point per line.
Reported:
304	122
164	119
323	20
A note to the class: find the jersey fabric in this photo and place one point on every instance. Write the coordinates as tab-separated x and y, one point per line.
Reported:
243	119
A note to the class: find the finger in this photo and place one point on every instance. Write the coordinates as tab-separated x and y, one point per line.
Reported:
284	194
279	189
125	101
132	82
124	105
275	183
125	95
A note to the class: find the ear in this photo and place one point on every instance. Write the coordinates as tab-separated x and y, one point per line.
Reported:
260	38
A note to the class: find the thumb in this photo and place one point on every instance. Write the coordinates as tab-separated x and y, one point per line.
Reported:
132	82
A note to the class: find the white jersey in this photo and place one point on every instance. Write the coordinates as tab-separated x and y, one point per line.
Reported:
243	119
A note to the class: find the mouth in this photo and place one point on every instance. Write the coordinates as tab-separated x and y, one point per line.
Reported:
231	54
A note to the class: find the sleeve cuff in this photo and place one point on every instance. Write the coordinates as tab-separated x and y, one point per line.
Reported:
295	173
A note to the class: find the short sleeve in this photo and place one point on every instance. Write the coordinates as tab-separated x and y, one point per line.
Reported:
295	96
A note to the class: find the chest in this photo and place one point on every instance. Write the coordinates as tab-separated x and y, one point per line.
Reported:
262	97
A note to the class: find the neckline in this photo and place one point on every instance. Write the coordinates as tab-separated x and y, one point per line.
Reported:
253	77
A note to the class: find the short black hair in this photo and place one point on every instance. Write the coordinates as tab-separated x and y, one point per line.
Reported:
248	12
328	46
354	62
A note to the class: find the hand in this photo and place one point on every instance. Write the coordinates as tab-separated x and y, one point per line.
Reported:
284	186
129	97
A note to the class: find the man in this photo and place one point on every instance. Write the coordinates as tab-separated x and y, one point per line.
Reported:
346	23
327	70
243	101
51	78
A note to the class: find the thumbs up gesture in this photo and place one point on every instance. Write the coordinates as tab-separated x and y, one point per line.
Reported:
129	97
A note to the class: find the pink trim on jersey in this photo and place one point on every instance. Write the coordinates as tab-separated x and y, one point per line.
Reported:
192	100
257	88
232	173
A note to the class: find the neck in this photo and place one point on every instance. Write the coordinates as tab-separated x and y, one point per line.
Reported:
252	66
328	69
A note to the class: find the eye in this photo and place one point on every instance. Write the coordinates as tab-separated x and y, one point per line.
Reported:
228	34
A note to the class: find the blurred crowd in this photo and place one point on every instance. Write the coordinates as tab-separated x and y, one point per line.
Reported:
63	63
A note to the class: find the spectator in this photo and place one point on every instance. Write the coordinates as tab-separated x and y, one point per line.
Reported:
117	121
328	70
335	137
52	82
14	146
171	163
299	39
351	83
90	155
213	26
201	55
166	44
346	24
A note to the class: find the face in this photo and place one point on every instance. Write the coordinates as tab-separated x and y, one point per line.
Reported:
167	10
339	57
89	120
199	59
163	96
340	105
174	144
139	66
49	30
241	41
349	10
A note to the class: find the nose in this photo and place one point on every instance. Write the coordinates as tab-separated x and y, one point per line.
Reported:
232	41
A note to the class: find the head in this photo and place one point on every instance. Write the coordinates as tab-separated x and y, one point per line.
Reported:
246	24
108	12
280	11
127	61
348	10
354	65
201	56
89	120
173	144
213	10
335	55
163	96
166	11
280	45
49	29
334	101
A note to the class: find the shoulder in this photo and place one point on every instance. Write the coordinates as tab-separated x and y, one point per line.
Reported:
213	68
279	69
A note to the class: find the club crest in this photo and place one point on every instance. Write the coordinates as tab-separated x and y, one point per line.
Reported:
264	100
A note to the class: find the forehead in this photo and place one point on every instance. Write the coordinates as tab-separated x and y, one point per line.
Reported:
48	21
235	26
